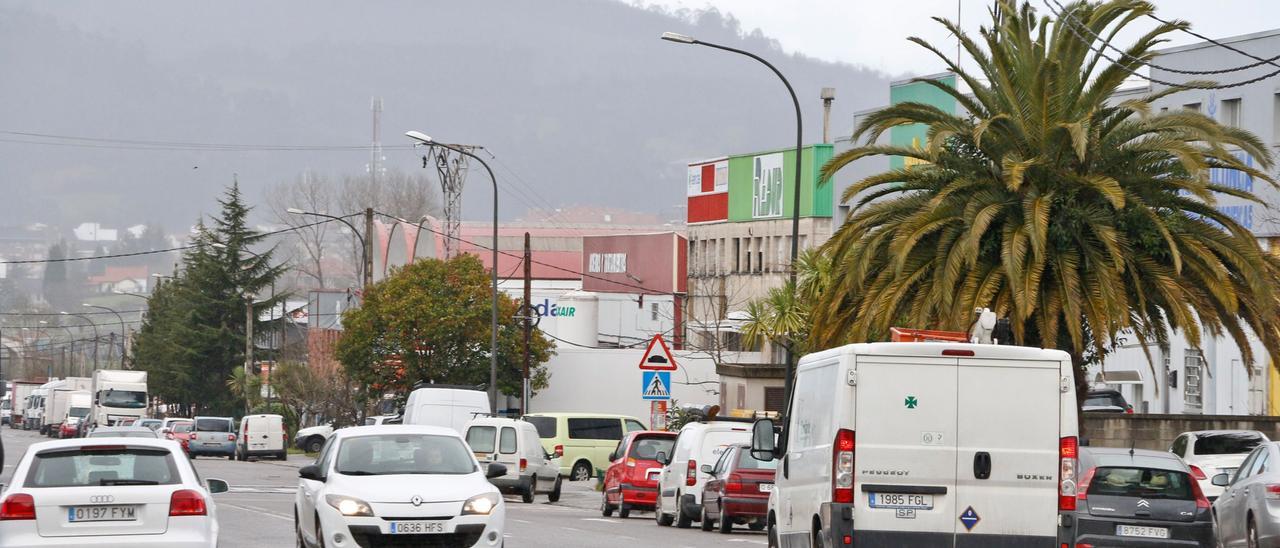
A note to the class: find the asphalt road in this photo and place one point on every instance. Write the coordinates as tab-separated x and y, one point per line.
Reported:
258	511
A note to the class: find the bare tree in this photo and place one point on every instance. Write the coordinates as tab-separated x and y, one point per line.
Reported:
309	192
405	195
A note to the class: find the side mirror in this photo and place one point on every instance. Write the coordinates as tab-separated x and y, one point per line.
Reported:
217	486
763	443
1222	480
661	458
495	470
310	472
707	469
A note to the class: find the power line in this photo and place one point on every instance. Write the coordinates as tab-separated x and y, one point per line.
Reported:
77	313
1260	61
142	144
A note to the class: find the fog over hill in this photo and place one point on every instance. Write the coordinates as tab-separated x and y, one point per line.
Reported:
578	97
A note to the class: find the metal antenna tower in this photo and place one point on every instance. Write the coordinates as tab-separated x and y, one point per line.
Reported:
374	167
452	168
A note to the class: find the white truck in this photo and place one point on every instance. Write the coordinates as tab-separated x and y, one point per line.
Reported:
925	444
6	407
33	415
118	395
57	404
18	401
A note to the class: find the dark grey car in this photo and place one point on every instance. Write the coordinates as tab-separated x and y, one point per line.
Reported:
1248	511
1140	498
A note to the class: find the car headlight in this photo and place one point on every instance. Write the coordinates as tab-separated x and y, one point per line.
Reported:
480	505
349	506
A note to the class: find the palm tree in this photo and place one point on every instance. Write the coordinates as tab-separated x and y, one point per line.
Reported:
1075	217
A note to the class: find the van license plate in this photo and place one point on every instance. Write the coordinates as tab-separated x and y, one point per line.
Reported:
766	487
416	527
1140	531
901	500
77	514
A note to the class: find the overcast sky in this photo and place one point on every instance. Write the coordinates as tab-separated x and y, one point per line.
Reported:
874	32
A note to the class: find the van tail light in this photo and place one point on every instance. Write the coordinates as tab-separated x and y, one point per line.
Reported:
733	484
18	506
1197	473
524	463
1068	454
842	467
186	502
691	474
559	452
1202	502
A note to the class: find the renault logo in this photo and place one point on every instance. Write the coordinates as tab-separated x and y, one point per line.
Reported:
101	499
416	500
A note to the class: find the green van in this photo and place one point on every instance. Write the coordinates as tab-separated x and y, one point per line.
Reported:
583	441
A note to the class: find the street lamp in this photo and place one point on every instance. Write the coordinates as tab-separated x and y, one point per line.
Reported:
426	140
795	209
118	317
95	335
366	272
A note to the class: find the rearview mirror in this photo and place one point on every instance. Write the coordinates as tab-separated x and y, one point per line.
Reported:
763	443
495	470
706	469
217	486
1222	480
310	472
661	458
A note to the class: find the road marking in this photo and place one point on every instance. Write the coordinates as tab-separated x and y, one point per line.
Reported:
257	511
748	541
602	519
521	521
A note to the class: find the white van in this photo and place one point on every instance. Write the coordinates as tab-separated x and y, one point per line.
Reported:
515	444
681	482
926	444
261	436
447	406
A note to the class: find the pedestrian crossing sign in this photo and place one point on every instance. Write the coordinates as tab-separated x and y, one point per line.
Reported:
656	385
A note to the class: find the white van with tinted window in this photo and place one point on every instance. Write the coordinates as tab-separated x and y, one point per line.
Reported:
926	444
682	479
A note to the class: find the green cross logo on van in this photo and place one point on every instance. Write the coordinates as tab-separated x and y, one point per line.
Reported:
911	402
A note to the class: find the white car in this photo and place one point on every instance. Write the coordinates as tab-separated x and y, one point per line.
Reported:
102	492
1213	452
312	439
403	485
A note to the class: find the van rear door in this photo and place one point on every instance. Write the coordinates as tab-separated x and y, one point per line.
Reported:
905	450
1007	450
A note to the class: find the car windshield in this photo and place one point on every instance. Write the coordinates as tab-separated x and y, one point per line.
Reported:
648	448
182	427
1227	443
546	426
1141	482
481	438
748	462
97	466
79	412
123	399
1104	400
4	404
213	425
388	454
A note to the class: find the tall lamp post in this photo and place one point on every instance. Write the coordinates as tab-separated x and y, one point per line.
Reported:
795	209
426	140
118	317
95	334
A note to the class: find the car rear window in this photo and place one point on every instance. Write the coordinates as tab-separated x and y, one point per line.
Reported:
1103	400
481	438
595	429
109	465
1227	443
1145	483
213	425
546	426
182	427
748	462
648	448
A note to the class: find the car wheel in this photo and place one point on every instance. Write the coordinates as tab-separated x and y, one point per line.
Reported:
283	455
1252	531
319	535
581	471
683	520
605	509
756	525
624	511
773	533
659	516
554	496
297	531
314	444
726	524
705	521
527	496
819	540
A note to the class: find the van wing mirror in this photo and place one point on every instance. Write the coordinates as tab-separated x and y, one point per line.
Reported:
763	441
1222	480
661	458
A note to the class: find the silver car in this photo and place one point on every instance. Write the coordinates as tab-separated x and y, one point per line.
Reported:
1248	512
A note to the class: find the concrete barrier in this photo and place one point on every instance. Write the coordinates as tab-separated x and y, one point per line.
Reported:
1158	431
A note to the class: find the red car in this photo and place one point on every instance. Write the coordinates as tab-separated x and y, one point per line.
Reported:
738	491
631	482
181	433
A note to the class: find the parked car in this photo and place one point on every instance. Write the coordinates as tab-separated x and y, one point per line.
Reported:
123	432
904	440
70	428
181	433
398	485
631	482
515	444
738	491
262	436
1134	497
1106	401
141	492
1213	452
213	436
1245	514
168	422
311	439
383	419
682	480
583	440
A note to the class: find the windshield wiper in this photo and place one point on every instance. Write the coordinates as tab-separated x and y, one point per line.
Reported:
127	482
357	473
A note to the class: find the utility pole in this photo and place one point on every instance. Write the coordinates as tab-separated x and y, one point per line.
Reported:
248	347
528	321
368	247
828	95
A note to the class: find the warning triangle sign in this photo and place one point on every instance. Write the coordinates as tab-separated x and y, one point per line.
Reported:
656	389
657	357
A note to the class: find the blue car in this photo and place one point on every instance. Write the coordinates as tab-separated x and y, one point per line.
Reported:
213	437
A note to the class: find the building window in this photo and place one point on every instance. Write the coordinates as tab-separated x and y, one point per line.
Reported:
1192	368
1192	106
723	394
1275	118
775	398
653	312
742	396
737	255
1231	112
